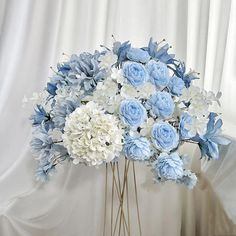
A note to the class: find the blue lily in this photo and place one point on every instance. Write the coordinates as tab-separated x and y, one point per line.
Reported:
121	49
51	88
160	53
64	68
41	116
180	71
209	142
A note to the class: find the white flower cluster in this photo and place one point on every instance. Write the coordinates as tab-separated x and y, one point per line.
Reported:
107	92
107	60
200	101
68	91
91	136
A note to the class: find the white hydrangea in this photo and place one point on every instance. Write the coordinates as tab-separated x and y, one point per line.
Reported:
189	93
128	91
200	100
147	90
106	95
107	60
37	98
198	107
117	75
198	126
147	126
91	136
108	88
68	91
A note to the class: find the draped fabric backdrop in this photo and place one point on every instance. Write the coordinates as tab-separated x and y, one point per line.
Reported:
33	36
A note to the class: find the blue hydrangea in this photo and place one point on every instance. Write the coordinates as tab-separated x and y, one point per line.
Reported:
209	142
80	70
161	104
168	167
62	109
46	152
185	119
41	144
176	86
135	73
132	112
46	166
137	148
59	80
164	136
158	73
138	55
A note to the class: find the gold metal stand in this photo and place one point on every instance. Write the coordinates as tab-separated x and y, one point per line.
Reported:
117	220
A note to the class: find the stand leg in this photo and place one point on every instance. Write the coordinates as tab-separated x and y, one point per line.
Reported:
120	224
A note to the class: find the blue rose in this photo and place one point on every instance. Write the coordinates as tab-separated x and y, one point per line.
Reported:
137	148
164	136
138	55
185	119
168	167
135	73
158	73
161	104
176	85
132	112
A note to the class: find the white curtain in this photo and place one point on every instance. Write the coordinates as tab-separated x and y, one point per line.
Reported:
33	36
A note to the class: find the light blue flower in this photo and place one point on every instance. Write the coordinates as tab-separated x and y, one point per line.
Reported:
138	55
176	85
41	117
43	172
185	119
160	52
64	68
41	144
180	71
60	80
121	49
80	70
135	73
137	148
164	136
189	179
161	104
62	109
132	112
158	73
168	167
87	66
46	151
51	88
209	142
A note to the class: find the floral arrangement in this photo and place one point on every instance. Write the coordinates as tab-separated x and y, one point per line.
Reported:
125	102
